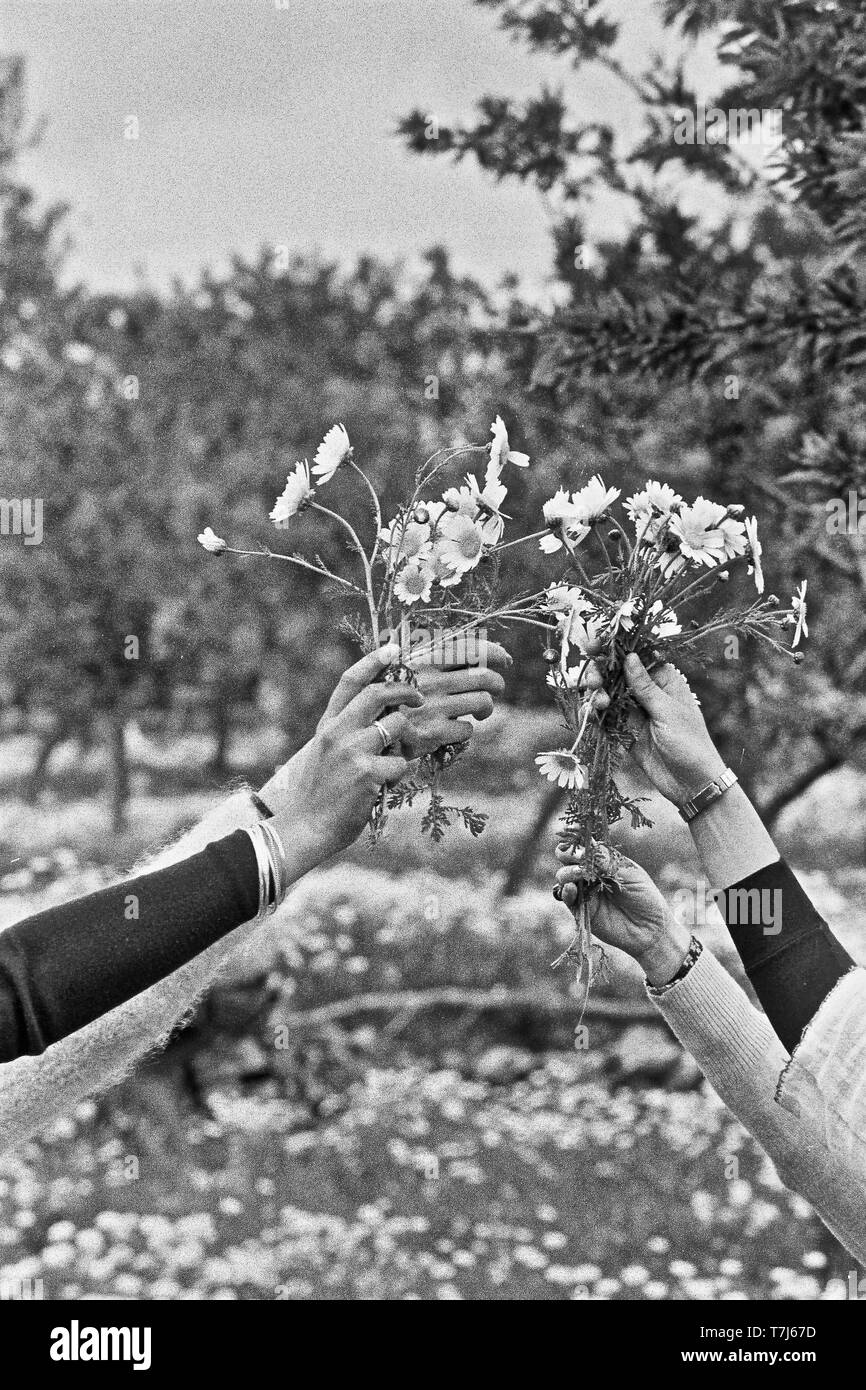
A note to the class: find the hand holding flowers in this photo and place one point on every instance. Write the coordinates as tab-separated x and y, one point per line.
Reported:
323	796
624	609
633	916
427	581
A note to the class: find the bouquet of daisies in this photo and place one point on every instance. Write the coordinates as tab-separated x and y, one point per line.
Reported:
428	579
630	585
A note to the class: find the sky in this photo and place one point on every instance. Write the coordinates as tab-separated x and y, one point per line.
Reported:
272	122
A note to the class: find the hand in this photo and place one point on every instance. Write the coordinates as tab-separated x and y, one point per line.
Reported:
634	917
322	797
452	693
673	746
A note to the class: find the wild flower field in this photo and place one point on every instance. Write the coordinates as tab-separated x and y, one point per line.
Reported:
426	1184
445	1154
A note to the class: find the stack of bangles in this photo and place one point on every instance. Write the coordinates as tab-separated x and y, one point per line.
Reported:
273	867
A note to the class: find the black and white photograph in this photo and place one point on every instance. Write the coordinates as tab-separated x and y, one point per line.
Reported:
433	663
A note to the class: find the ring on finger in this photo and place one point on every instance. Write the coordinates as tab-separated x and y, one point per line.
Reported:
383	733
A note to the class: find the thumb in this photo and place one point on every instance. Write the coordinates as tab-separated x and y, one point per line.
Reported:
642	686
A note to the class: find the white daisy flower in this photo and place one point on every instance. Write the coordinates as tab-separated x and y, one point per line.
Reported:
665	624
333	450
735	539
565	522
461	501
296	495
670	563
584	631
413	583
404	540
501	451
564	768
211	542
488	501
757	551
698	528
440	572
562	598
650	509
624	616
435	512
593	500
462	543
798	617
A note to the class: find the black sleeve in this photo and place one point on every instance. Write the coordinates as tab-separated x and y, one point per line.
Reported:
789	953
63	968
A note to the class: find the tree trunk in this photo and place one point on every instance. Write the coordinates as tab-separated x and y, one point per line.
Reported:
118	772
36	777
527	848
770	810
221	727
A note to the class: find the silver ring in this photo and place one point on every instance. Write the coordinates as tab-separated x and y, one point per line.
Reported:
383	734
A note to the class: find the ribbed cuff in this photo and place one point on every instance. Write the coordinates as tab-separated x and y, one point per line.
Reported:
710	1013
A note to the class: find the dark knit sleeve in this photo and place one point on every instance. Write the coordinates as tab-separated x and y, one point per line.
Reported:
63	968
790	955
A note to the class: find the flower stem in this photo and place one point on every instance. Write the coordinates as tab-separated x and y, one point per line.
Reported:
368	574
376	508
267	554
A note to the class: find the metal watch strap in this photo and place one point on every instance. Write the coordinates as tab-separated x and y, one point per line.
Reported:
707	795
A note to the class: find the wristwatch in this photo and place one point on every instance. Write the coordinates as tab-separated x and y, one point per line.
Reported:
707	795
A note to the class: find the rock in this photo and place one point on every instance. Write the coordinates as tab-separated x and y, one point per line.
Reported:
644	1053
502	1065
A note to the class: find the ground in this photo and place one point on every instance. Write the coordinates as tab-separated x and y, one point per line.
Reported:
394	1162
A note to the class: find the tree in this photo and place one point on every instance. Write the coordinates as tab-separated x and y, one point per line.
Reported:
739	337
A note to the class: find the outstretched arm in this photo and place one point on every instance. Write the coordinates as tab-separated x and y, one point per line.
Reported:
35	1090
789	953
732	1043
323	796
321	800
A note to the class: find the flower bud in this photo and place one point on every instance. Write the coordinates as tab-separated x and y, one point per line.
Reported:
214	544
550	655
422	516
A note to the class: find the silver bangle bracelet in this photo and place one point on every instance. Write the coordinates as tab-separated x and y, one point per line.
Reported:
273	867
263	863
279	861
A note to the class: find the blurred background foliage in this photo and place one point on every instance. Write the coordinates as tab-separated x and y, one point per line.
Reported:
720	351
721	354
